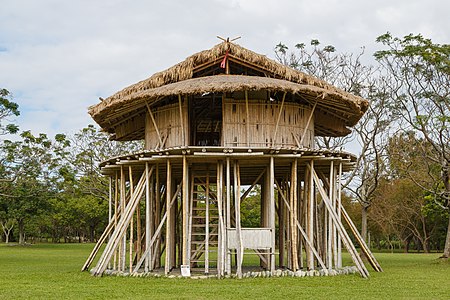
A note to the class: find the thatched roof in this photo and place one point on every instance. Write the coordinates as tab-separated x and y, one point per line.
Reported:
179	80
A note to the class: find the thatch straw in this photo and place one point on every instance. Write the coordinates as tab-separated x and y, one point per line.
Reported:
234	83
185	70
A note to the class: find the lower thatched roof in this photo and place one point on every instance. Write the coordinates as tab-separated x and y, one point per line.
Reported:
353	110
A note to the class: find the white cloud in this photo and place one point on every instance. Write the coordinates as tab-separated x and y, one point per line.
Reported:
57	57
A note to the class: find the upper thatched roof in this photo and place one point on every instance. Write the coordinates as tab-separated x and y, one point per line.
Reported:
160	84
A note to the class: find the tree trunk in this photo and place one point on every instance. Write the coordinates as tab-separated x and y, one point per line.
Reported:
447	243
446	179
364	211
21	226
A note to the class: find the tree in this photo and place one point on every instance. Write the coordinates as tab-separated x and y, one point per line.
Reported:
420	72
90	147
31	165
7	109
348	72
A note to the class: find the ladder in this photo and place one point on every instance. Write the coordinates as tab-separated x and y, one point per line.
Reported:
204	224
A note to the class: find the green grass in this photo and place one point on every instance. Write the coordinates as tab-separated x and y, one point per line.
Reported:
52	271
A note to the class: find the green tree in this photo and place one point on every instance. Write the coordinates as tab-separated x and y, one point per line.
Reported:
420	85
31	165
8	108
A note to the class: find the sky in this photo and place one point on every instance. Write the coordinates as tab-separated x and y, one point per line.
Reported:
57	57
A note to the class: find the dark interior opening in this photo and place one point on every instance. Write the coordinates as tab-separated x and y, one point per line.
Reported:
206	120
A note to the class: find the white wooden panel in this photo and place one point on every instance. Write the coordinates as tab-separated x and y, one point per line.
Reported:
252	238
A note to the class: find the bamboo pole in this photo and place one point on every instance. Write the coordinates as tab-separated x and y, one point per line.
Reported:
157	232
330	224
122	249
207	225
228	214
278	120
148	219
364	248
339	205
110	213
157	218
345	238
97	246
131	242
309	242
281	224
121	228
310	219
250	188
110	199
307	123
154	124
272	210
247	120
334	231
183	133
294	214
221	238
185	211
237	208
116	208
167	265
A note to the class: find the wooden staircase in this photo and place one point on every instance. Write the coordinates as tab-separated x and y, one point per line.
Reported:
204	225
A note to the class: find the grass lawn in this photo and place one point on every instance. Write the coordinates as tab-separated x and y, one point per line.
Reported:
53	271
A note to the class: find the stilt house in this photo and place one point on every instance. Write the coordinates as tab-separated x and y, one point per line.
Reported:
215	126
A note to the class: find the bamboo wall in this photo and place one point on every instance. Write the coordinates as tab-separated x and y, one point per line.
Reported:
266	126
168	121
263	118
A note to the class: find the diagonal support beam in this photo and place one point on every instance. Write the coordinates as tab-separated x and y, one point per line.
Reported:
122	225
302	231
155	235
345	237
365	249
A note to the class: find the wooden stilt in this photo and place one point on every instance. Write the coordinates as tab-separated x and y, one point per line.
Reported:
123	248
167	265
131	242
333	228
157	218
339	205
281	230
207	224
237	208
293	245
185	212
148	219
272	209
110	206
330	224
228	213
110	199
116	209
299	220
310	220
221	238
